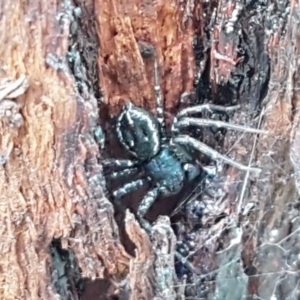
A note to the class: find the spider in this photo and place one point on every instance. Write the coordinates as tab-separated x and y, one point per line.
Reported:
166	162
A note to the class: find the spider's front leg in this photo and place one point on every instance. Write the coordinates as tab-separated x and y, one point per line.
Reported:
199	122
206	107
182	120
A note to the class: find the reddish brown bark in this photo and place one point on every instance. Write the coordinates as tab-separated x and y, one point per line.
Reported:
51	177
45	192
125	73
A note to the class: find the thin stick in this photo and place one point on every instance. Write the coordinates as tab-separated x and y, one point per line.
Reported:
159	102
247	173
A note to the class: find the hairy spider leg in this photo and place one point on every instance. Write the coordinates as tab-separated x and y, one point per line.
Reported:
120	163
122	173
206	107
213	154
159	104
199	122
199	109
129	187
147	202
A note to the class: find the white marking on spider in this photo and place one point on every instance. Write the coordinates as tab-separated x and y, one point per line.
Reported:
149	124
159	110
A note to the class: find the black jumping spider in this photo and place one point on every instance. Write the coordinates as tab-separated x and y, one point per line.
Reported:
167	163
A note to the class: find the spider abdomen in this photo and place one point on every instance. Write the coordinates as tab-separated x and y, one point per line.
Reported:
166	171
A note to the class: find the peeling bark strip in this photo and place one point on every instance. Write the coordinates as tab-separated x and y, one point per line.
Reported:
35	206
140	278
124	72
151	274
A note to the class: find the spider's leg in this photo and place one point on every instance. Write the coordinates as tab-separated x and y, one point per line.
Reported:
199	122
146	203
213	154
122	173
159	103
206	107
120	163
129	187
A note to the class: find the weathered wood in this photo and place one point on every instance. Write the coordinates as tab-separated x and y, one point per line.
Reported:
124	28
50	170
50	177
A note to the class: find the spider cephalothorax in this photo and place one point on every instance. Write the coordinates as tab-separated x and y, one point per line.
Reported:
166	163
141	134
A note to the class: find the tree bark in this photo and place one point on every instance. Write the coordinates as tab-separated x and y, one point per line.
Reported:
66	69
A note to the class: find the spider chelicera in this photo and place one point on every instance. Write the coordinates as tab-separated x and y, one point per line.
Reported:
166	162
